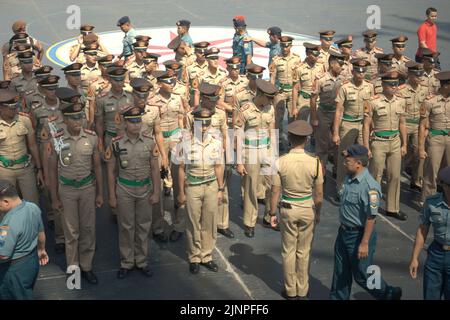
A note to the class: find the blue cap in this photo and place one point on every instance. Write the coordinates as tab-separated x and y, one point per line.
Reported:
356	151
123	20
274	31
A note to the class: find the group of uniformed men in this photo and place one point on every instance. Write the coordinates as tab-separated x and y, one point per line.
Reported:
158	130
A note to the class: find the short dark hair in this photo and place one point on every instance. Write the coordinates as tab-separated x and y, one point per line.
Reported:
296	140
430	10
7	190
363	159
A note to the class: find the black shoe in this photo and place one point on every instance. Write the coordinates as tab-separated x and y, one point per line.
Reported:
249	232
415	187
90	277
166	191
146	271
194	268
397	293
268	225
51	224
397	215
60	248
160	237
122	273
175	236
211	265
285	296
226	232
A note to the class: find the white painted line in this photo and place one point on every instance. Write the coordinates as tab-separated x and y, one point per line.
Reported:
238	278
45	19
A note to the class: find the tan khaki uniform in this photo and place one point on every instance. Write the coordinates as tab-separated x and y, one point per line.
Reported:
201	188
242	96
188	60
347	69
284	69
257	157
13	147
26	88
77	193
297	173
81	58
400	64
135	70
12	68
305	75
230	88
350	131
323	58
169	111
326	86
107	110
414	99
181	90
89	75
430	81
385	145
194	72
369	56
377	84
437	109
150	79
210	78
133	189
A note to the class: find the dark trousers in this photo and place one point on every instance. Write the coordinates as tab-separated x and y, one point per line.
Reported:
17	278
436	277
347	266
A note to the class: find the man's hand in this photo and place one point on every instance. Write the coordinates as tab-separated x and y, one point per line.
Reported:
363	250
181	199
99	201
369	153
112	201
220	197
413	266
403	150
336	139
43	257
57	205
80	39
422	154
40	178
314	121
154	198
240	168
165	163
274	221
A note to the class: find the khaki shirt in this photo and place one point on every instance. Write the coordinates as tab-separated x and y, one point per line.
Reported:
400	65
25	87
230	87
150	118
135	70
414	99
305	75
323	58
284	69
297	173
218	123
353	98
195	71
347	69
100	86
89	75
386	113
79	153
377	84
216	78
431	82
369	56
181	90
326	87
13	141
169	110
188	60
41	111
151	79
108	107
13	68
437	109
242	96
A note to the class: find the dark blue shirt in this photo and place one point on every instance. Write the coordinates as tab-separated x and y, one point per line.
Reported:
437	213
241	49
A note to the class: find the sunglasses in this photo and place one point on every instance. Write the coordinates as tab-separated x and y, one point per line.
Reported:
168	81
91	53
327	38
141	95
399	45
134	120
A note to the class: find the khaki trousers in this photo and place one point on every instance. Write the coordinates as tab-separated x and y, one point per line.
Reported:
350	133
324	144
297	229
412	157
78	220
438	149
223	217
201	224
24	179
134	217
386	154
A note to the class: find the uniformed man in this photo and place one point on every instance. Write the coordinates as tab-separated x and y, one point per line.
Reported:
385	135
86	37
137	68
273	44
368	52
5	84
356	240
108	105
326	40
399	60
201	189
345	45
242	49
129	38
183	52
347	126
17	143
10	62
25	83
299	181
384	62
132	188
282	72
435	111
303	79
90	71
102	84
429	76
77	188
183	31
22	245
256	145
415	94
151	64
246	94
178	72
172	114
325	88
435	212
197	68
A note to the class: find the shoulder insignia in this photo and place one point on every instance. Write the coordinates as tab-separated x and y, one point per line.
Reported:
423	110
375	97
373	198
117	138
92	133
147	134
24	114
245	106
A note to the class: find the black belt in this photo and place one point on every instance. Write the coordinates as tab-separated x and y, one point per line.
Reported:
347	228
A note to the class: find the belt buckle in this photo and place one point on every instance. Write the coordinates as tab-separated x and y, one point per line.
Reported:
445	247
